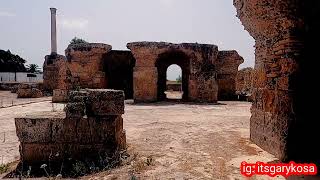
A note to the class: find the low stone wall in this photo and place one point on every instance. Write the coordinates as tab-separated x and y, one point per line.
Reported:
29	91
8	86
174	87
90	129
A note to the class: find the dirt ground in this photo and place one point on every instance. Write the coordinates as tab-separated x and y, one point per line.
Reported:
166	140
174	94
8	99
9	150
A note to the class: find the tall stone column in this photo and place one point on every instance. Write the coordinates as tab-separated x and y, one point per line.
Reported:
53	31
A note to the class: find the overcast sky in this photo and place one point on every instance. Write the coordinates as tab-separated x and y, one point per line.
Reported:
25	24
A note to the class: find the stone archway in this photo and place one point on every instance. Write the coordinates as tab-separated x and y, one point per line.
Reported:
198	62
163	62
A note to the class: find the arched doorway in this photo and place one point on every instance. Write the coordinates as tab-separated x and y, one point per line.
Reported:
167	59
174	83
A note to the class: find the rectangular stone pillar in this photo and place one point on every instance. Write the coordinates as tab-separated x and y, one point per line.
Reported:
145	81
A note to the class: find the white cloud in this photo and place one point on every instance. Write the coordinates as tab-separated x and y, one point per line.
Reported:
73	23
6	14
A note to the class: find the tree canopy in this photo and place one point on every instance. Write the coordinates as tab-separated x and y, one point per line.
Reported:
76	40
11	63
179	79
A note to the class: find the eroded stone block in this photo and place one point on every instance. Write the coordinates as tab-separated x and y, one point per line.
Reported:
75	110
29	91
55	136
39	128
103	102
59	96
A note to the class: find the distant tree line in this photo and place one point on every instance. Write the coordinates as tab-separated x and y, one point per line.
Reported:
13	63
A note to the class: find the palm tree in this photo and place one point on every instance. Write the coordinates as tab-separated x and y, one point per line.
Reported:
33	68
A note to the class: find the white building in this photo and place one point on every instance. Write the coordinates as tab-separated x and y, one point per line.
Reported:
20	77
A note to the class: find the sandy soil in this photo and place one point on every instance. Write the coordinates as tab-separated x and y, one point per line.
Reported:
9	150
167	140
174	94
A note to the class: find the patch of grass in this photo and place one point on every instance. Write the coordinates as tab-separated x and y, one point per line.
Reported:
140	164
71	168
4	168
149	161
79	169
133	177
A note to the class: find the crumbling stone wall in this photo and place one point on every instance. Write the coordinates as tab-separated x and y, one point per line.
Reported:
244	81
85	64
227	66
198	67
26	90
174	86
9	86
55	77
282	119
90	129
205	70
118	66
81	68
54	72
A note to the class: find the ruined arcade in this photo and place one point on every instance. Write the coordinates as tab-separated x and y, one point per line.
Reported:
207	73
226	116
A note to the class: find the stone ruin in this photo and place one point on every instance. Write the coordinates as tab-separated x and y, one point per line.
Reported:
244	83
9	87
27	90
284	115
87	65
91	129
24	90
208	74
205	70
174	86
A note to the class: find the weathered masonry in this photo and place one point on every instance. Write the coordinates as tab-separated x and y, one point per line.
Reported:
207	74
284	120
88	65
91	129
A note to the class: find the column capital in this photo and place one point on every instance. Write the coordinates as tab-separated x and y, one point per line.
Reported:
53	10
